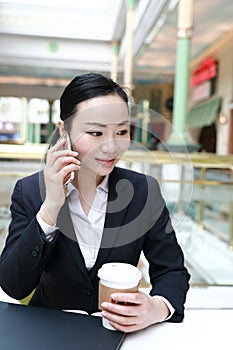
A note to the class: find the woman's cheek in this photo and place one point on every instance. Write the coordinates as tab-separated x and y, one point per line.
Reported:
86	152
82	146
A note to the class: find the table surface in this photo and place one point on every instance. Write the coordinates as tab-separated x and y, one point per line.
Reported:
202	329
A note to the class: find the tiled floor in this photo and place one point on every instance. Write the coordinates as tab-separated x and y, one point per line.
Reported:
208	258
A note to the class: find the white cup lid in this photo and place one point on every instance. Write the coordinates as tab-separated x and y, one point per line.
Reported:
119	272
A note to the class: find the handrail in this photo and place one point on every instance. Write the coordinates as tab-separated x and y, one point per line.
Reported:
201	161
208	160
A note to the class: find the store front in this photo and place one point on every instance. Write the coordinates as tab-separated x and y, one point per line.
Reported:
206	104
202	121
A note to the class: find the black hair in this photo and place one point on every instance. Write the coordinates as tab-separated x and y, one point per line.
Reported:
84	87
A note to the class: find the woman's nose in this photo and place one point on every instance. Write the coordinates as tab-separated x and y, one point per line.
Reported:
109	146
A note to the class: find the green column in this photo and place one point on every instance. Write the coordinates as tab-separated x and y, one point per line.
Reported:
181	87
129	36
130	4
37	128
115	53
30	132
178	140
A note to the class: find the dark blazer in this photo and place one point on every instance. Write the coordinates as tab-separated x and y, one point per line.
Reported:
136	220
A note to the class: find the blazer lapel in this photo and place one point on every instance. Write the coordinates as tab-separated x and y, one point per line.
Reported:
64	222
65	225
120	194
120	191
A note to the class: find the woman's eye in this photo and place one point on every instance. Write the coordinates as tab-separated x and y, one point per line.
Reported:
122	132
94	133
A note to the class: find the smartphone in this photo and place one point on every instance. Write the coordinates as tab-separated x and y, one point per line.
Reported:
67	145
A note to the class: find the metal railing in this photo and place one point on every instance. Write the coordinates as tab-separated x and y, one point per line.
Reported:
199	184
194	185
153	163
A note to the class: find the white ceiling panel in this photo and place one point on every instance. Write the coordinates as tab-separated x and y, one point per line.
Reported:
56	39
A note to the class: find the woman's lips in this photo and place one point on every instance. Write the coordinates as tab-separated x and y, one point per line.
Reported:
106	162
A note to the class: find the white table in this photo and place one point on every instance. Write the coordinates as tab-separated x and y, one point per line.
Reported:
201	330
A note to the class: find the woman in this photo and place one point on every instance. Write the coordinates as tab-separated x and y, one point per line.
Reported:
63	231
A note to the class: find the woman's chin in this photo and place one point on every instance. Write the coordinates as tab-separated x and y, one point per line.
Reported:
106	170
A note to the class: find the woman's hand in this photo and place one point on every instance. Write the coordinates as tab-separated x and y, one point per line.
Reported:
143	311
59	165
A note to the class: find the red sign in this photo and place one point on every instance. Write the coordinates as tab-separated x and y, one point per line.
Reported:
206	71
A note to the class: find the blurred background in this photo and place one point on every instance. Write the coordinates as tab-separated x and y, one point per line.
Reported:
175	59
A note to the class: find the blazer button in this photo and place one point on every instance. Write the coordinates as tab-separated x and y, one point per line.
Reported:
87	292
34	253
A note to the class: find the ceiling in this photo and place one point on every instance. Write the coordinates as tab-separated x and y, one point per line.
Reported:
48	39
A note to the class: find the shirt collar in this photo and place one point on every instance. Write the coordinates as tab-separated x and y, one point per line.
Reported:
102	186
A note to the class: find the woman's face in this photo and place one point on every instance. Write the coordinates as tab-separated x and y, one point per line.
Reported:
100	133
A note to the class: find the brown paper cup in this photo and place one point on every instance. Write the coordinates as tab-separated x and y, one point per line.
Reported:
115	278
105	293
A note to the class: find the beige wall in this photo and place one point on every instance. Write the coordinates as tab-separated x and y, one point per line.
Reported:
157	95
225	90
144	92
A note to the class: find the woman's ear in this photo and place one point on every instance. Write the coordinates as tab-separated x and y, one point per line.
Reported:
61	127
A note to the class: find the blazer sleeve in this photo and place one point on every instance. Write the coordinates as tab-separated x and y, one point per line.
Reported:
26	253
169	277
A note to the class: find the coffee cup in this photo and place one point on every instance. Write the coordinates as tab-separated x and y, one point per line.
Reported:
116	277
